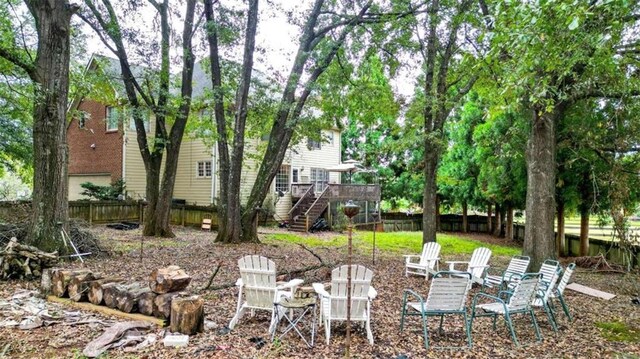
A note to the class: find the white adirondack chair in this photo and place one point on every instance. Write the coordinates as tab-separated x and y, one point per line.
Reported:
477	265
550	271
258	284
333	306
424	264
515	270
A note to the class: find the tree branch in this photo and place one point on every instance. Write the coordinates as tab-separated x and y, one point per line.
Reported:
28	67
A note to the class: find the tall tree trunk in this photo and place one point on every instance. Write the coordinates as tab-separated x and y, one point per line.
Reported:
50	152
465	224
508	231
430	192
498	228
489	219
438	228
152	190
560	238
584	231
539	241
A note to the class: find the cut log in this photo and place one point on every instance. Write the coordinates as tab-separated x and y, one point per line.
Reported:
61	278
111	292
22	261
45	281
146	303
162	304
169	279
78	287
187	315
95	295
128	300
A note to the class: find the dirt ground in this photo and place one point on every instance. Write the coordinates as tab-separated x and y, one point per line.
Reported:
195	252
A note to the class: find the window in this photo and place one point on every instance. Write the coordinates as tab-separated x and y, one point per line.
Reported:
330	138
82	119
282	179
319	177
113	116
145	117
203	169
294	176
313	144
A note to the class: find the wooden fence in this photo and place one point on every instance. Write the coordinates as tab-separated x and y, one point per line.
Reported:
100	212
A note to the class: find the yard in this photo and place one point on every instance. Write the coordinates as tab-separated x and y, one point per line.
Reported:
600	328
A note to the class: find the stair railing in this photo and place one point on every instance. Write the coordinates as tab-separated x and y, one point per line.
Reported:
307	194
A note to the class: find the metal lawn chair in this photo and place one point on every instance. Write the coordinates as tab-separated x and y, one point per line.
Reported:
550	271
557	293
333	306
257	283
447	295
515	270
477	265
518	301
423	264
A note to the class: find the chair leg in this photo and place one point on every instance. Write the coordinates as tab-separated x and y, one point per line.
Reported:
507	318
441	320
535	324
369	333
327	330
551	316
564	307
425	331
403	313
467	327
236	317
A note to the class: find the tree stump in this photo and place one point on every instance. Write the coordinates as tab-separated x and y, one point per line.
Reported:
146	303
128	299
95	294
169	279
187	315
162	305
78	287
61	278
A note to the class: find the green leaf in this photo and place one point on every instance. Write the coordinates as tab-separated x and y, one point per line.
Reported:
574	24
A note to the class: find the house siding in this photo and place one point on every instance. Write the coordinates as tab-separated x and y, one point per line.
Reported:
188	185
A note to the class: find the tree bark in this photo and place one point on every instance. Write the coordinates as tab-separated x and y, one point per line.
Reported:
146	303
96	289
584	232
498	228
429	193
162	304
560	237
169	279
489	219
50	152
508	231
539	241
438	228
465	224
586	198
187	315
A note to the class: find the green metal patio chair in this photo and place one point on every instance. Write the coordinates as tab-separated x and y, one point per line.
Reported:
557	293
518	301
550	270
515	270
447	296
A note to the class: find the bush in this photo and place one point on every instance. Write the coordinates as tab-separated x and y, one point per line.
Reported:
104	193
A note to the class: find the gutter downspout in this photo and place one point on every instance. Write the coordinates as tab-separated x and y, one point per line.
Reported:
214	174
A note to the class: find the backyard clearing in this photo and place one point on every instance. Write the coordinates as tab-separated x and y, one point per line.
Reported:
600	328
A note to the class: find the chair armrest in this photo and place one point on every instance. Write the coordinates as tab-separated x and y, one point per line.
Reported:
373	293
452	264
239	282
319	288
456	262
408	257
291	284
488	296
480	266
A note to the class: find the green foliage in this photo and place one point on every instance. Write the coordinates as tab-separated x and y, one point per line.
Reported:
618	331
104	193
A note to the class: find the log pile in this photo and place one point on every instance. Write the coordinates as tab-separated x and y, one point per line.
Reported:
20	261
163	296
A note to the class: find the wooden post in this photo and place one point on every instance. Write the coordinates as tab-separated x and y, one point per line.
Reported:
182	215
90	213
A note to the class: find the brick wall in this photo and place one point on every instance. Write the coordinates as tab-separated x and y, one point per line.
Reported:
106	156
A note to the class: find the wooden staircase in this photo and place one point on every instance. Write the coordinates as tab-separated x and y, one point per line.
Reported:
307	210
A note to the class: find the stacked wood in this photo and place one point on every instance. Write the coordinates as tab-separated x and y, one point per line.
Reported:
78	287
169	279
146	303
23	261
110	293
162	304
187	315
127	300
95	294
60	280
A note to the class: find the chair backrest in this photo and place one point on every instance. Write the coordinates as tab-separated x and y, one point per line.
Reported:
360	283
258	275
565	278
479	257
518	266
430	250
524	292
549	271
448	293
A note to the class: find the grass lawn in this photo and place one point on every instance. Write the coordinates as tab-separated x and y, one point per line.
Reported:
394	242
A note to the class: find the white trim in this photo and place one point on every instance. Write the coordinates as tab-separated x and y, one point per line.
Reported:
213	173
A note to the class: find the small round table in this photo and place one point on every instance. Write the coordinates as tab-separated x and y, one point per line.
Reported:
294	310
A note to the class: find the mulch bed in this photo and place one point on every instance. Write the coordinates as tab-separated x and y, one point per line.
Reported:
195	252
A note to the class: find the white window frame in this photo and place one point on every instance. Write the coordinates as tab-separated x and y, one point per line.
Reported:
320	181
295	175
203	169
108	118
284	173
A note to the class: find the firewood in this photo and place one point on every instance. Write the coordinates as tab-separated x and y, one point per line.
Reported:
45	281
162	305
127	300
169	279
78	287
146	303
187	315
61	279
95	294
110	294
